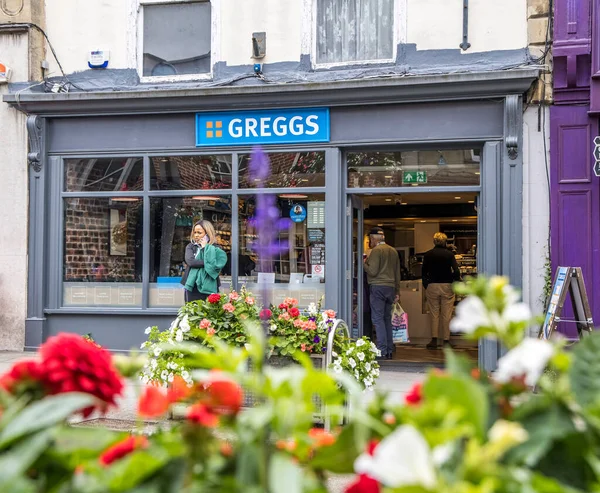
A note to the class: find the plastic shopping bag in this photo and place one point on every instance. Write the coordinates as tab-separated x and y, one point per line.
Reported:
399	325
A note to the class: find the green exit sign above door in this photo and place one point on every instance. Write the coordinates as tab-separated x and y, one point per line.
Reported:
410	177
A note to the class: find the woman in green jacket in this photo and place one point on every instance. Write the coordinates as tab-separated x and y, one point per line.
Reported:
204	261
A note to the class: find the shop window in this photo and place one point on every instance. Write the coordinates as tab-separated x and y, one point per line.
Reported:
455	167
190	172
354	30
176	38
102	252
123	174
172	220
288	170
295	266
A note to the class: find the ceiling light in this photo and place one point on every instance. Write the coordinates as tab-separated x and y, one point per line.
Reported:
458	198
471	201
403	203
206	197
477	173
304	179
388	200
454	220
380	225
423	221
388	176
125	199
293	196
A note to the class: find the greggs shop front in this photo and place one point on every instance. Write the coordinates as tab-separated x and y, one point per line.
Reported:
117	181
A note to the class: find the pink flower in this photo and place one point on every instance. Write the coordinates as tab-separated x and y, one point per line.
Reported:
298	323
250	300
205	323
329	313
309	325
303	347
265	314
290	302
234	296
284	316
210	331
228	307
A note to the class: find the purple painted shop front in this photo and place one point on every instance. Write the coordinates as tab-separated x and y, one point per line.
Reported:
575	190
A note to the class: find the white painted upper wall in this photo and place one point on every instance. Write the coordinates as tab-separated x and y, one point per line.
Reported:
493	25
76	27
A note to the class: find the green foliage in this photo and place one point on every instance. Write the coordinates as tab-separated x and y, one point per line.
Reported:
584	373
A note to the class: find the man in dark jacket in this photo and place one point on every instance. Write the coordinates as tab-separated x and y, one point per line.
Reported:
440	270
383	274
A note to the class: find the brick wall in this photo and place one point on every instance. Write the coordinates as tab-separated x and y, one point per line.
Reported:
539	36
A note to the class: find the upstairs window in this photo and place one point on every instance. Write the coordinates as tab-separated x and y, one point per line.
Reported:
176	39
354	31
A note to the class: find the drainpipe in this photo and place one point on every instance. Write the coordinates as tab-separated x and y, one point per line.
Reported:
465	45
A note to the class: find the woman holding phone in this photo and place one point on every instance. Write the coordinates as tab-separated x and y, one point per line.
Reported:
204	261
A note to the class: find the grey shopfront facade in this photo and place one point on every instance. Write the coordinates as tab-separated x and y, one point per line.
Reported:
481	111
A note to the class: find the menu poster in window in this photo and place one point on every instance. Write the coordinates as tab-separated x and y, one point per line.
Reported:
316	235
317	254
316	214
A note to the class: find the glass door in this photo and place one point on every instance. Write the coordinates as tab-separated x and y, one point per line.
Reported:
354	271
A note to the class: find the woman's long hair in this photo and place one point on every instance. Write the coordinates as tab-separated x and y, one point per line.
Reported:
208	228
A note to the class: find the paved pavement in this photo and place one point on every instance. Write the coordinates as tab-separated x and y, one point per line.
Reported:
395	383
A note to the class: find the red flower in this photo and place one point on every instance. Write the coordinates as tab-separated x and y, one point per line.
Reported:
294	312
69	363
22	372
265	314
414	396
179	390
363	484
225	396
282	306
371	446
122	448
214	298
202	415
321	438
153	402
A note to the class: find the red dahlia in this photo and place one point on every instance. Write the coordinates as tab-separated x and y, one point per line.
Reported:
122	448
214	298
23	372
265	314
294	312
72	364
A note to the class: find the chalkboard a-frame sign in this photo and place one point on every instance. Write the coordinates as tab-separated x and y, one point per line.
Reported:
568	280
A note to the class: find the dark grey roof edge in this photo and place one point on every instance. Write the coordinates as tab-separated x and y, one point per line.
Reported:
439	87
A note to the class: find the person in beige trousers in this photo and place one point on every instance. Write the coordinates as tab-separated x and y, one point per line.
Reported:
440	270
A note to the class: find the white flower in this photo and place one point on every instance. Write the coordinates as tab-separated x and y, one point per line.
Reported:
143	345
157	351
337	369
171	377
164	375
373	347
403	458
368	366
518	312
334	354
529	358
471	314
356	375
349	352
174	324
153	364
361	356
148	330
507	433
179	336
185	375
376	372
352	362
184	325
312	309
360	343
145	380
273	328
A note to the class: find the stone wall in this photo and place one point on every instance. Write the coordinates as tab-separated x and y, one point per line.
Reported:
539	39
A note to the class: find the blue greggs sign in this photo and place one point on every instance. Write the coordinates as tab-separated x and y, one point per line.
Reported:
286	126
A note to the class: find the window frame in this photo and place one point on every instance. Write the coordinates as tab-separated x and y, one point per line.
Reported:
309	36
138	32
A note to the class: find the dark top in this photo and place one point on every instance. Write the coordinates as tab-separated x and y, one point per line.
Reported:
440	266
190	260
